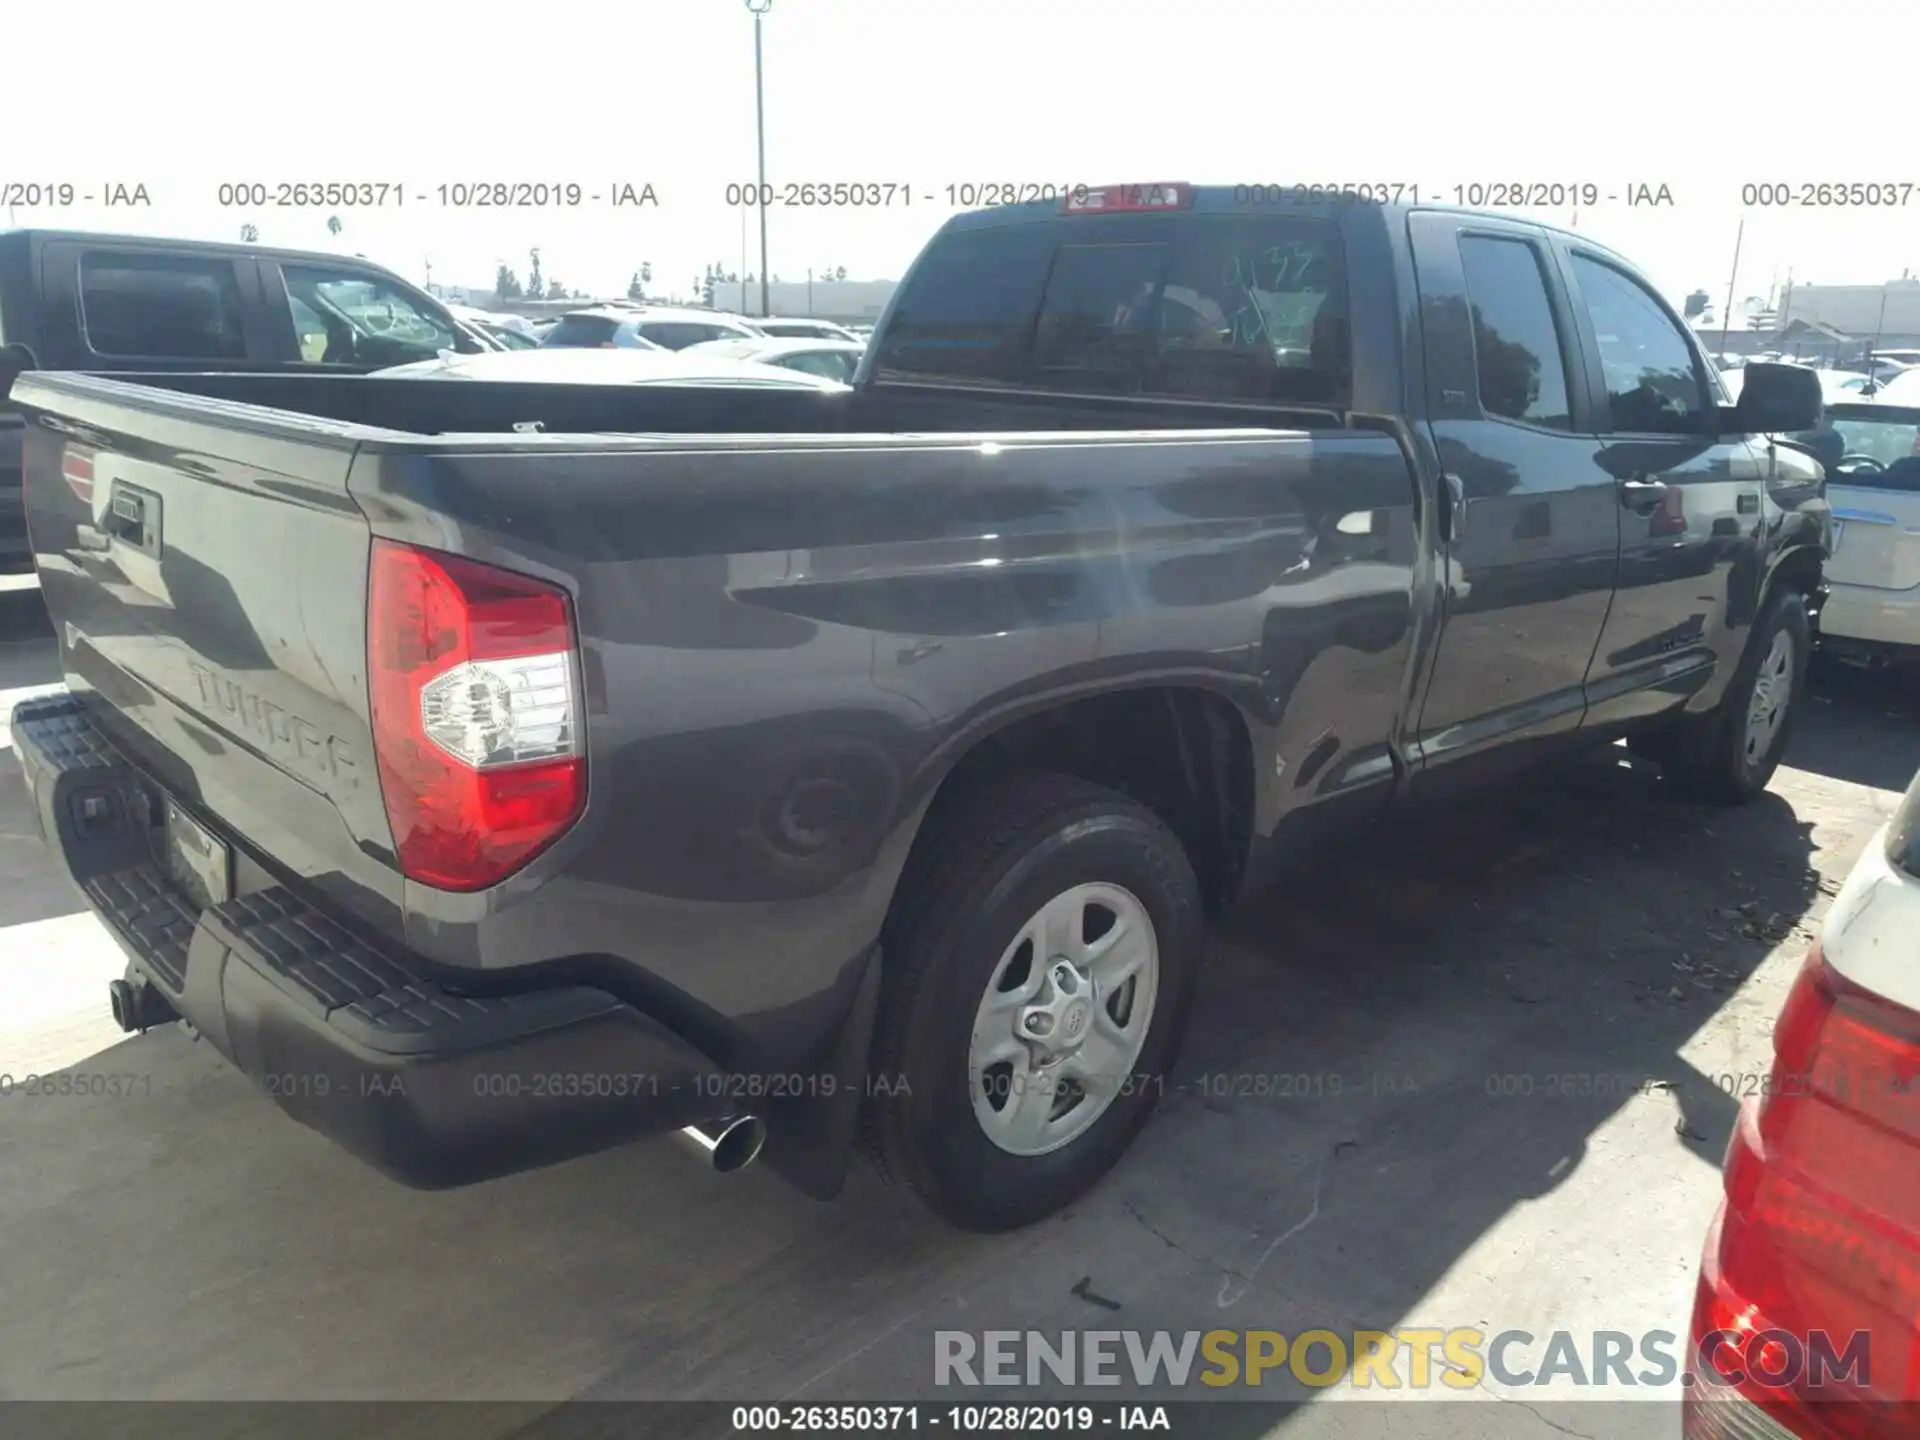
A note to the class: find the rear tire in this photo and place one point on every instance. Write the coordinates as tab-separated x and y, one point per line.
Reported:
1728	755
945	1112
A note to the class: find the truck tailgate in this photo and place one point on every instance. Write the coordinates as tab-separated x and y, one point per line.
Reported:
206	572
15	558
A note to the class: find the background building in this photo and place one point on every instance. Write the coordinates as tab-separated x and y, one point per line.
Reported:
857	301
1861	310
1835	323
844	301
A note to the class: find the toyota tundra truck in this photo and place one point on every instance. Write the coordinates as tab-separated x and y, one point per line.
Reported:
500	771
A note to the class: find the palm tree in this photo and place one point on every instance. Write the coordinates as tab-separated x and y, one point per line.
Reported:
334	226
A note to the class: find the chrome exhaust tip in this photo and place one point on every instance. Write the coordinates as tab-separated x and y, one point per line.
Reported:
726	1145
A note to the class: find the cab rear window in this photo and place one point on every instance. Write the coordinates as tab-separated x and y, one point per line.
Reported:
1249	308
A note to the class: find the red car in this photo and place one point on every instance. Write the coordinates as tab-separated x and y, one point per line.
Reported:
1807	1318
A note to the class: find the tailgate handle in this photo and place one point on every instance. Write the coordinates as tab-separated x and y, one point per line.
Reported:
133	517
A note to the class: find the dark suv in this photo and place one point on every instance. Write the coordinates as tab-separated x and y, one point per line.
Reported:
76	301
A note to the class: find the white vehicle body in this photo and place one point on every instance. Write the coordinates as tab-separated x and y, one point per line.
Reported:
608	367
835	359
1872	455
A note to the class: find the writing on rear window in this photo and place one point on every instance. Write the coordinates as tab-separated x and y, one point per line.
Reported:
145	306
1236	307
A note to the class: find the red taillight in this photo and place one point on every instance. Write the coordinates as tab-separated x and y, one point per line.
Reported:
76	468
1116	199
1819	1238
476	714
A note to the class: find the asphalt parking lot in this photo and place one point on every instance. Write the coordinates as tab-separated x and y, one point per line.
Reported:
182	1240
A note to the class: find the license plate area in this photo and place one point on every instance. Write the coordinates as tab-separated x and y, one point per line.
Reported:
199	862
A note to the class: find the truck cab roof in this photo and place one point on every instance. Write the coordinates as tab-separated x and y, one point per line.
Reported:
26	236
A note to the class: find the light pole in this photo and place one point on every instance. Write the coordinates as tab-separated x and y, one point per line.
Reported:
758	8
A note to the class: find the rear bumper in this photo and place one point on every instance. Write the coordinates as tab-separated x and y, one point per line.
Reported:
348	1034
16	554
1871	616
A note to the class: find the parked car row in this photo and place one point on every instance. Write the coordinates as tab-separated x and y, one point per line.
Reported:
106	303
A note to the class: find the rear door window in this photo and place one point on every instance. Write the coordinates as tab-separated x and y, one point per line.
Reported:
1249	308
161	307
582	332
1518	351
678	334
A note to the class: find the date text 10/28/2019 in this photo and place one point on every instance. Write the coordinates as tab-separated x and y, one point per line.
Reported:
960	1419
450	194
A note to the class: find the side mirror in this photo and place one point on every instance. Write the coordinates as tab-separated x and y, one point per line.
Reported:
1776	399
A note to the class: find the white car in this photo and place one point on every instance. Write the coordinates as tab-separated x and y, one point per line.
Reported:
609	367
675	329
1884	365
835	359
1871	451
1818	1225
1903	389
798	329
1839	386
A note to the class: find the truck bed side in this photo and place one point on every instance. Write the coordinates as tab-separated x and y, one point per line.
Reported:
788	641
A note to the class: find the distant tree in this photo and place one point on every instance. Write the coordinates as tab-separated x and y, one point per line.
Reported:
1696	304
635	289
536	285
555	290
733	277
840	273
646	272
334	226
249	234
506	284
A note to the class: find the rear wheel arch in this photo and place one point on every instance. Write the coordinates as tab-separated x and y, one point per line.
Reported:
1183	750
1802	568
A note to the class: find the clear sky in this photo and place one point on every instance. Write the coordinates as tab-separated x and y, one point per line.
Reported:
1696	95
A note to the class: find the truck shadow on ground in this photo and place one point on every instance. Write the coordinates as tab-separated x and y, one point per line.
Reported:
1388	1056
23	616
1879	742
31	886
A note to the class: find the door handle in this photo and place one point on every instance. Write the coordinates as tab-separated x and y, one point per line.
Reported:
1641	494
1456	516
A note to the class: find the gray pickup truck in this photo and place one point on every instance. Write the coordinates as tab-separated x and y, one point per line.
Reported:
501	771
